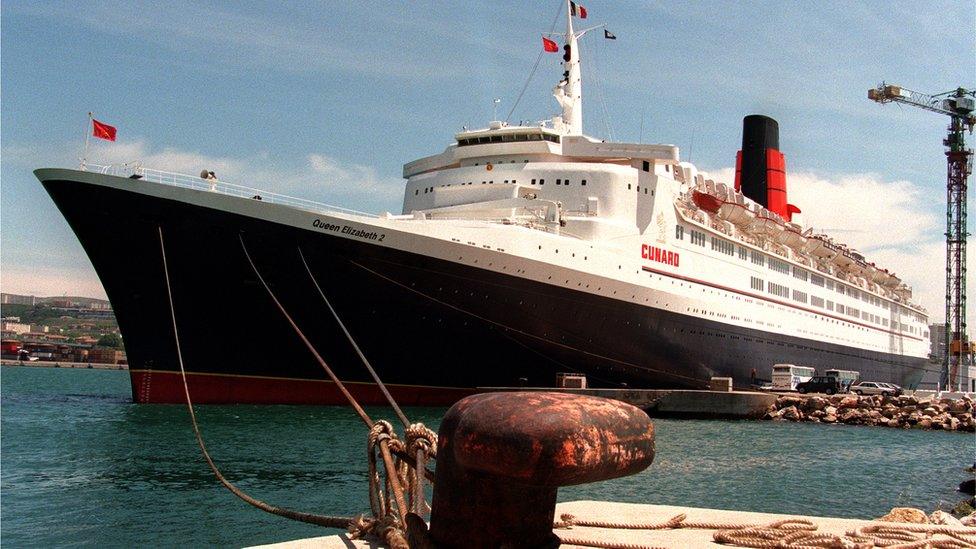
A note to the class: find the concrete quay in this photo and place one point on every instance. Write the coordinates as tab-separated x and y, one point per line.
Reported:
59	364
675	402
638	513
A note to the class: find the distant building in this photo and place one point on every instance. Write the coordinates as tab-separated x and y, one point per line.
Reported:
14	299
14	327
11	318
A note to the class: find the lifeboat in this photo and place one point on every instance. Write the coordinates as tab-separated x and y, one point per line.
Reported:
767	224
820	246
706	201
843	260
735	211
878	276
792	236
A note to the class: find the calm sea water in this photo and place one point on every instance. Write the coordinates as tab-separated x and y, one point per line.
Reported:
82	465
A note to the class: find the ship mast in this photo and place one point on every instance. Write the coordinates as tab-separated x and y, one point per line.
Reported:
568	92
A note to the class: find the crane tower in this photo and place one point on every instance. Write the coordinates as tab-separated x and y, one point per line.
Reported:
959	105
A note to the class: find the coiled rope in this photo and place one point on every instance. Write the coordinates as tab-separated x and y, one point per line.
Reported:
786	534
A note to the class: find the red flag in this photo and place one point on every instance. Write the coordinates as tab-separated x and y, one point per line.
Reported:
549	45
103	131
577	10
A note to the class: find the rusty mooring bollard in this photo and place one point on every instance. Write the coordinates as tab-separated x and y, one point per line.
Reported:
501	457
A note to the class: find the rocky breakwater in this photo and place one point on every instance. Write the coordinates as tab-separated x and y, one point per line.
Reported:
904	412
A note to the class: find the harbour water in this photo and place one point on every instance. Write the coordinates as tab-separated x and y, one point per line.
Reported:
82	465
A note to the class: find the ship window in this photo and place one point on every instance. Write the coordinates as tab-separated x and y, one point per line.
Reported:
800	273
758	258
567	182
646	166
679	232
583	183
816	280
628	186
816	301
799	296
776	289
779	266
756	283
743	253
416	192
542	181
559	182
533	181
506	181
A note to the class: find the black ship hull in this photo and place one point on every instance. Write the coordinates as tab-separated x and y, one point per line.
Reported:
435	330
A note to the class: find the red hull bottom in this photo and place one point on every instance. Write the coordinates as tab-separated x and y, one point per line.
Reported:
163	387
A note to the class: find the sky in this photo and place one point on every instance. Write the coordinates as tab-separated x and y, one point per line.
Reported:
327	101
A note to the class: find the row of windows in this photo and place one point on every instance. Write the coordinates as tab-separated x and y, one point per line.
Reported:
779	266
508	138
758	258
756	283
723	245
781	291
492	182
799	296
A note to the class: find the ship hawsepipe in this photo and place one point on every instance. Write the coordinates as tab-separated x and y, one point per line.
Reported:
434	329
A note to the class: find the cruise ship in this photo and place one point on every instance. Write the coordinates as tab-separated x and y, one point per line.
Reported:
520	252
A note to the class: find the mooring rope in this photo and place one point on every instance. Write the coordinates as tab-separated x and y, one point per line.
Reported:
386	524
321	520
794	533
362	357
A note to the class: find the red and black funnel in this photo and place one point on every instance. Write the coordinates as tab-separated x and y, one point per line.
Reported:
760	169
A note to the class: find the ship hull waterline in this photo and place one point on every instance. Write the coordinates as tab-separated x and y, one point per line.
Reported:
435	330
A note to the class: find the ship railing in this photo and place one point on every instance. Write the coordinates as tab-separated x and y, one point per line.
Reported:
215	185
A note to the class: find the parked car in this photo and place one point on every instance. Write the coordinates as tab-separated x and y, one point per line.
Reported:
820	384
897	388
872	388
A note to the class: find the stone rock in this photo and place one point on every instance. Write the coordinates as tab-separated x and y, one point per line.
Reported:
905	514
941	517
791	413
816	403
787	401
829	418
930	412
894	422
816	415
889	410
952	424
848	402
830	410
924	424
960	406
